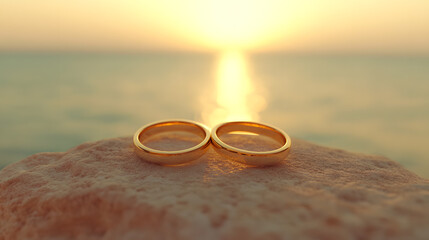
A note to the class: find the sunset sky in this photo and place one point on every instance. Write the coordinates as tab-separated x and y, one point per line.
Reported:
381	26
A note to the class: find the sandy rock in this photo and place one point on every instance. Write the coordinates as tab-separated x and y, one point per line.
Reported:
102	190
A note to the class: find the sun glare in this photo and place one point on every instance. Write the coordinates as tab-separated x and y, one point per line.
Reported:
232	24
238	24
236	96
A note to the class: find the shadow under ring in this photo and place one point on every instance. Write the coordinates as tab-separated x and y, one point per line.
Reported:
254	158
171	157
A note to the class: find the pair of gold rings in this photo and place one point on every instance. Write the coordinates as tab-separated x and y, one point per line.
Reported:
175	157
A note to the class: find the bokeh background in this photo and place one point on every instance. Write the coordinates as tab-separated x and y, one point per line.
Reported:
345	74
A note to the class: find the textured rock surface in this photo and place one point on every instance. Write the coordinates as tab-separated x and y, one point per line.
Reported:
102	189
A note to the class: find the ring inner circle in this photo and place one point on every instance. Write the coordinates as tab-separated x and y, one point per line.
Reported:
172	136
251	137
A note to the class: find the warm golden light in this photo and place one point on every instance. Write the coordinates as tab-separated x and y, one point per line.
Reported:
236	96
239	24
257	25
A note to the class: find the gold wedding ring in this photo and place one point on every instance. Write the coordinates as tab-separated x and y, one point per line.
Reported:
176	156
254	158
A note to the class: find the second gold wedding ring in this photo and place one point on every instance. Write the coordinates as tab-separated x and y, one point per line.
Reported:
255	158
171	157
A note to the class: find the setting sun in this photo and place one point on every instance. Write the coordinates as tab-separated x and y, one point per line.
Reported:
236	24
310	25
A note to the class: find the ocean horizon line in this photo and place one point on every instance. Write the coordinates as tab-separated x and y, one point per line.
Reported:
202	52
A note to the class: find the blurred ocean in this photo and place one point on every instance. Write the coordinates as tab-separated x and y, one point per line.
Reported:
369	104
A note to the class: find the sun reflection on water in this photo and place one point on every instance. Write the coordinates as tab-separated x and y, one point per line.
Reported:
236	96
